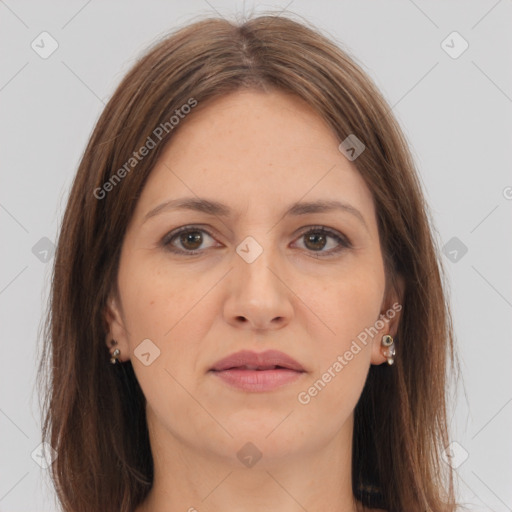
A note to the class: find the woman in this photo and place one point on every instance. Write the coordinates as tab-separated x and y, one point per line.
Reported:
247	241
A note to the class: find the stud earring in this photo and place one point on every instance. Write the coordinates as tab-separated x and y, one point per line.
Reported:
389	348
114	358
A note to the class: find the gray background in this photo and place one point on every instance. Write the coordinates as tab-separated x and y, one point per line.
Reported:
455	113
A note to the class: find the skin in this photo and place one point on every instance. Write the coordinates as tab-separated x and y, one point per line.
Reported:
258	153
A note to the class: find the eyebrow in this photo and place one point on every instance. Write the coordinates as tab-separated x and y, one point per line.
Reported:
218	209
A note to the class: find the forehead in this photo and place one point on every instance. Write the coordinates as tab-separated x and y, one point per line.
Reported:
255	150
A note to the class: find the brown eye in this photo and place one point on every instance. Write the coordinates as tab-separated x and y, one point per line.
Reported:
187	240
191	240
317	239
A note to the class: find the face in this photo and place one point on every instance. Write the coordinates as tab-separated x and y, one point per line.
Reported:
196	286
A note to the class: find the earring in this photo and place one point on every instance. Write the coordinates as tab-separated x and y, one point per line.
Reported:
114	358
389	348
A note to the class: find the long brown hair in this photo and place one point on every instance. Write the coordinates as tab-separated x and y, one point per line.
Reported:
94	412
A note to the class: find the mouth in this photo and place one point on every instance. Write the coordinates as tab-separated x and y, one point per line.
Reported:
257	372
256	368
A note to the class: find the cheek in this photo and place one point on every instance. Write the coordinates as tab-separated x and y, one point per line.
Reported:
358	305
156	299
347	303
163	305
350	307
159	306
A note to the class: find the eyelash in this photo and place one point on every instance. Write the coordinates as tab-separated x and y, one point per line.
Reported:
342	240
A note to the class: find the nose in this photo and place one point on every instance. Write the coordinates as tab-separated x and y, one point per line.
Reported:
257	295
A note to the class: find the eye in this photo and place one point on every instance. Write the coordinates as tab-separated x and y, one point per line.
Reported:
188	239
316	238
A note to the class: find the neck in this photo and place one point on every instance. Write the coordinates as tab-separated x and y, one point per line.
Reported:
190	479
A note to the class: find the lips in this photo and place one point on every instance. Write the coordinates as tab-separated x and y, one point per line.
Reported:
253	372
253	361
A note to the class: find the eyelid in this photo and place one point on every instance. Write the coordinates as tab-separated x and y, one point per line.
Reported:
166	240
343	241
324	229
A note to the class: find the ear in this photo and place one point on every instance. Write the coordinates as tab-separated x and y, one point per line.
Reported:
389	318
116	328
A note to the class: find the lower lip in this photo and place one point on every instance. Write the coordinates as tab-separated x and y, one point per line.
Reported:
258	380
